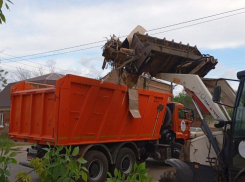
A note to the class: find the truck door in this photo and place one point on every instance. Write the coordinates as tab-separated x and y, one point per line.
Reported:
237	142
184	126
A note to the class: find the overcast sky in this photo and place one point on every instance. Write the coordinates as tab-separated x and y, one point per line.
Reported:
36	26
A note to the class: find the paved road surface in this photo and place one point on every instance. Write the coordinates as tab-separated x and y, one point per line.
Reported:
154	166
21	157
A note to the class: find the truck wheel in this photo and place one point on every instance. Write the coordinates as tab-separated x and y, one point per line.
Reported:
177	148
167	118
168	176
97	166
125	160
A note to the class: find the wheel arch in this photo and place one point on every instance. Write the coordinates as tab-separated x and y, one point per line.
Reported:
99	147
130	145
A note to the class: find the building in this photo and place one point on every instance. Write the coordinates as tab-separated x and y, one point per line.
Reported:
5	100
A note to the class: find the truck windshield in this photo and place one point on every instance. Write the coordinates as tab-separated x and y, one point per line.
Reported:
182	114
239	128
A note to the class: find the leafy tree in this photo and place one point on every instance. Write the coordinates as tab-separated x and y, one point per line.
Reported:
60	163
3	80
6	160
2	3
184	99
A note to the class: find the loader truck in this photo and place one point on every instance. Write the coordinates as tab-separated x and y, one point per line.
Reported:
223	158
94	115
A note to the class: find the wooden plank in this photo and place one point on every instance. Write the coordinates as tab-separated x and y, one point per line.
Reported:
198	67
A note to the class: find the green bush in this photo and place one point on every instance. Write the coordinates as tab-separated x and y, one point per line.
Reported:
6	160
60	164
137	173
5	141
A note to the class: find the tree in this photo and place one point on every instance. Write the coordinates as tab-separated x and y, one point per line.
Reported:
22	74
3	2
39	71
51	65
3	80
184	99
25	73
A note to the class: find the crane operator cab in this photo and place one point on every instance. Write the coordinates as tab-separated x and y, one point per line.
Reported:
234	138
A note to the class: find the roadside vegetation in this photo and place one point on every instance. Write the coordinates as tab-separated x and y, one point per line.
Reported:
137	173
60	164
186	100
5	141
6	161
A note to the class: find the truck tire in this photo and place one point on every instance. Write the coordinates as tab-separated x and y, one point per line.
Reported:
167	118
168	176
177	149
97	165
125	160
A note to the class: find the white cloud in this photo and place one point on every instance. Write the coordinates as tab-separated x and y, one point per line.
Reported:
178	89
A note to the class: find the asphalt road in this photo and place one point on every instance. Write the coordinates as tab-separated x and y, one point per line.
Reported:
156	167
15	169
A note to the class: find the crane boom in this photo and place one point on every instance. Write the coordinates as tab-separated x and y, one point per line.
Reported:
197	90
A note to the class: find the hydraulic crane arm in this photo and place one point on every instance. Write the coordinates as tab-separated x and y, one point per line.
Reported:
195	88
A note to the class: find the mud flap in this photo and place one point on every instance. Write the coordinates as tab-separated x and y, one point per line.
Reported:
183	171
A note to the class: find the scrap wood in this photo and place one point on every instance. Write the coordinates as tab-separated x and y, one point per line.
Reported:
140	53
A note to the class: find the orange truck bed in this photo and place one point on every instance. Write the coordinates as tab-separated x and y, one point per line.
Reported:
80	110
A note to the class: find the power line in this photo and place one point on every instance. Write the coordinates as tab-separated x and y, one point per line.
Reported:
57	50
151	34
195	19
125	36
47	56
54	54
21	67
198	23
31	62
33	66
23	64
13	66
4	63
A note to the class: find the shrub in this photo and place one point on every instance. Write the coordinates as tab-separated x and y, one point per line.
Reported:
6	160
137	173
60	164
5	141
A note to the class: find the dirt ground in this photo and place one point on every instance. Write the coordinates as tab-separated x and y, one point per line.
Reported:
154	166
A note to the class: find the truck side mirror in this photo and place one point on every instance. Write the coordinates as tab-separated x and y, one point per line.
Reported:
219	123
216	94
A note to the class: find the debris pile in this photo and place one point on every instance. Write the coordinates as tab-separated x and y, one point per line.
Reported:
140	53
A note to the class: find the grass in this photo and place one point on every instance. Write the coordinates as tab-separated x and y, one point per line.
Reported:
5	141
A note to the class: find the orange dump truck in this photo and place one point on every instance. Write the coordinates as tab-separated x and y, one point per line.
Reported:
95	115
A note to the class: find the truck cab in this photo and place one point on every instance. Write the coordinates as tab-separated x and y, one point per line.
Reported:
182	119
176	125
